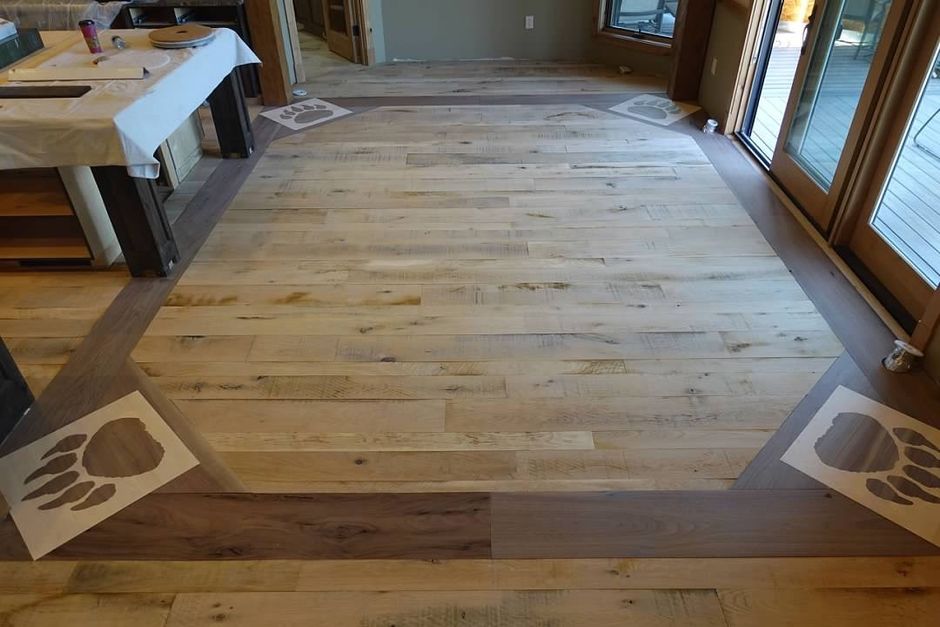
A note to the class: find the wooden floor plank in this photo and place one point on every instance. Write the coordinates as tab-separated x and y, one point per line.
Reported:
354	609
724	523
831	608
126	577
250	526
643	524
105	610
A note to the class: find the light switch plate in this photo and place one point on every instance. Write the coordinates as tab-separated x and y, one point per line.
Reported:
529	22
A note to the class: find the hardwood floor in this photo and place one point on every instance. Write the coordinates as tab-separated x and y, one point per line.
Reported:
486	298
331	76
724	592
45	315
455	298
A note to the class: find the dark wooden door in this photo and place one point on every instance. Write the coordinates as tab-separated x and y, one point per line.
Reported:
339	18
310	15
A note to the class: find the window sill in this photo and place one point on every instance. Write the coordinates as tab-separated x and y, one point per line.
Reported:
647	44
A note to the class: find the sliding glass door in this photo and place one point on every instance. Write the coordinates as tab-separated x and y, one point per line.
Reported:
776	58
837	79
896	235
855	141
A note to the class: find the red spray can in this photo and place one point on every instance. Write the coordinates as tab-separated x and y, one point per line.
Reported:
90	33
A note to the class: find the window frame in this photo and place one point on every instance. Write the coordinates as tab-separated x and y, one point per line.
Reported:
646	42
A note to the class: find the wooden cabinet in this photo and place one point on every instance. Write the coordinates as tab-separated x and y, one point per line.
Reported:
37	220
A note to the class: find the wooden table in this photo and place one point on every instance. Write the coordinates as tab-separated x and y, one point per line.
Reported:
133	205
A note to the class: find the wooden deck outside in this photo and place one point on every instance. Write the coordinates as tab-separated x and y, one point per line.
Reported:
909	216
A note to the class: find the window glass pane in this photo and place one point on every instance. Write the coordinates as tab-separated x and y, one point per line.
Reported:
655	17
908	216
841	61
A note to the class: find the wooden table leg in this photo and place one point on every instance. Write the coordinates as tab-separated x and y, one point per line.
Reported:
140	223
231	118
15	397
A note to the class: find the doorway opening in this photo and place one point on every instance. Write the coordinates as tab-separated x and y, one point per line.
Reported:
778	54
332	37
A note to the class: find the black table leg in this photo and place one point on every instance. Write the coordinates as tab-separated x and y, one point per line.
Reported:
139	221
231	118
15	397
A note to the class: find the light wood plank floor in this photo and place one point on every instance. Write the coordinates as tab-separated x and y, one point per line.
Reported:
329	75
486	298
45	315
832	592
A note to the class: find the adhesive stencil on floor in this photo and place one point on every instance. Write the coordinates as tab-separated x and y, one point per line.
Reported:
876	456
72	479
301	115
655	109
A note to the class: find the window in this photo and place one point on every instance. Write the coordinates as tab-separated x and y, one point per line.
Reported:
642	18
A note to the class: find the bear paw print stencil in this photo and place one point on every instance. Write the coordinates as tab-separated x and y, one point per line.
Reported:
306	114
72	479
877	456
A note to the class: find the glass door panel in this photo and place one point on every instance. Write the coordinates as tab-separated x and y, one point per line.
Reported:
898	241
908	214
840	71
849	34
777	60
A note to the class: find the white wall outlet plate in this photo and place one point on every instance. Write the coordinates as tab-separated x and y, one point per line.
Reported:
529	22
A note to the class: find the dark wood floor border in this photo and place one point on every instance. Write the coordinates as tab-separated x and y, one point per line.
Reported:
733	523
864	335
599	100
741	523
272	526
855	323
89	375
766	471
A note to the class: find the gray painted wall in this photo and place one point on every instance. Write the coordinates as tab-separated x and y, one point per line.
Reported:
478	29
435	30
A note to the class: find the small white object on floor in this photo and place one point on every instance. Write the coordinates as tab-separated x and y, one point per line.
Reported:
710	126
72	479
299	92
876	456
306	114
655	109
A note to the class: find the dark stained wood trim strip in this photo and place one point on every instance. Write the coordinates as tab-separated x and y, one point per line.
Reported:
856	324
272	526
599	100
93	375
211	475
726	523
766	471
734	523
866	338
